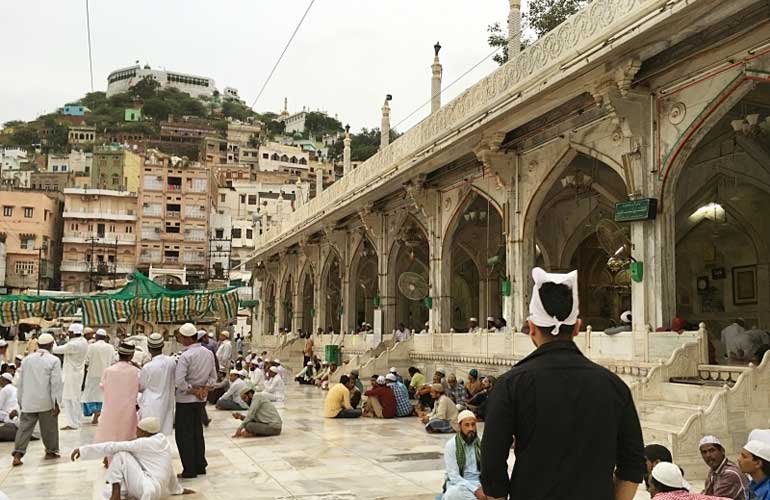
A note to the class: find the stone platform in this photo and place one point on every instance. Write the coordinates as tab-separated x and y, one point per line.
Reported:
314	458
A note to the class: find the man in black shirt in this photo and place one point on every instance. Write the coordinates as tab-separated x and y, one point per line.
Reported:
575	425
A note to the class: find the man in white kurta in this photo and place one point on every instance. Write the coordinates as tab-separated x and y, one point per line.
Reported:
99	357
231	400
274	388
156	382
224	351
256	375
74	352
140	468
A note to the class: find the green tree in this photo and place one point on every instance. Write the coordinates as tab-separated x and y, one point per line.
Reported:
363	145
25	136
543	16
146	87
319	124
156	108
237	110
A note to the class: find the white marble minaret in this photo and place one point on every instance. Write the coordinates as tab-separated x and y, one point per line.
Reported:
435	81
514	28
347	164
385	128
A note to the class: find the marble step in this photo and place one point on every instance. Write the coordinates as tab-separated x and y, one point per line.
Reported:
659	432
666	412
701	395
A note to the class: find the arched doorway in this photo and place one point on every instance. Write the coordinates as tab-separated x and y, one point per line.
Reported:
270	309
365	283
476	254
410	272
308	301
287	303
580	194
331	287
722	257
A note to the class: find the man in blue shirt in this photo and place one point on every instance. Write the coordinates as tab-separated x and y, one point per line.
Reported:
462	456
403	407
754	460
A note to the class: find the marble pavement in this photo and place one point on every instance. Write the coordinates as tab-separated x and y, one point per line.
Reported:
314	458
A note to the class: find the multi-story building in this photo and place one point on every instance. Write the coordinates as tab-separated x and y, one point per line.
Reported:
121	80
275	157
175	202
81	135
244	133
30	226
99	238
76	161
182	136
57	181
115	167
13	159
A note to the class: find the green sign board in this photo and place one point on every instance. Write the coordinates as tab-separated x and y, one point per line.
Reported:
636	210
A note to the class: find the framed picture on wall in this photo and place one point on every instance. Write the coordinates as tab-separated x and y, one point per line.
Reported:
744	285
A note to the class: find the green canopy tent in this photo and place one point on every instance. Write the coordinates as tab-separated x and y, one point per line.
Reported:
140	299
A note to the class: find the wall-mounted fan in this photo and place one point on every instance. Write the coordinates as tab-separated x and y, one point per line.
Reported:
413	286
616	242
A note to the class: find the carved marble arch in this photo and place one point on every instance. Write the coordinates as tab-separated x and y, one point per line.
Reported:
306	289
270	305
287	301
583	231
473	193
331	291
410	253
364	281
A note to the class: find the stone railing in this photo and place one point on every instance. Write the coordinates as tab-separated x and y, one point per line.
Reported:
552	58
732	414
397	356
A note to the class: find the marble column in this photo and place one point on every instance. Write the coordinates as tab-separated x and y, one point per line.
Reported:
514	28
346	152
435	82
385	127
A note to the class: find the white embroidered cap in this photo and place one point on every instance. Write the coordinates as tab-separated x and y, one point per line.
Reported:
75	329
465	414
758	449
149	424
710	440
537	313
625	317
668	474
760	435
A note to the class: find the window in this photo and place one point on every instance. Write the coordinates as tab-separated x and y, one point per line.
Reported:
129	229
46	214
100	230
27	241
24	267
243	198
249	233
265	156
28	212
8	211
236	232
222	197
219	234
252	199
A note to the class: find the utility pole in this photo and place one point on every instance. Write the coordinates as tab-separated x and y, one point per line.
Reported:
39	267
115	261
91	272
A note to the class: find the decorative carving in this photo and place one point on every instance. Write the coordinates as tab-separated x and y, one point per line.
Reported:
489	154
677	113
415	190
625	73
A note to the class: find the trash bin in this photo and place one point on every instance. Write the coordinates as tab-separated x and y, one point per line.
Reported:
332	352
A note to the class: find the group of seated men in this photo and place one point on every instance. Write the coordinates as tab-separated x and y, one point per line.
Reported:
436	404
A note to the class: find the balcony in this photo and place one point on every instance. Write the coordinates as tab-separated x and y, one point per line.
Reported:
153	211
106	239
152	185
170	260
150	257
150	235
71	266
173	187
195	214
172	214
194	235
126	215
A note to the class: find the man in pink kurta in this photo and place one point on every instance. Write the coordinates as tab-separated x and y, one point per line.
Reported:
120	383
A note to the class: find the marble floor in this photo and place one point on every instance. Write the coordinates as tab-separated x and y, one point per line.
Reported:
314	458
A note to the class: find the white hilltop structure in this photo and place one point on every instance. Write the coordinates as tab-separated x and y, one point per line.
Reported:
631	143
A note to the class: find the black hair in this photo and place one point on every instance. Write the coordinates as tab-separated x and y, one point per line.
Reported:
344	380
413	369
657	453
557	302
765	464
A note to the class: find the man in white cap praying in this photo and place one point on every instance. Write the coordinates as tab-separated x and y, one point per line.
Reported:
195	373
39	395
473	325
625	326
274	389
120	383
462	458
401	333
443	417
305	376
666	483
560	405
74	352
381	401
754	461
257	374
99	357
224	351
156	382
139	468
9	408
262	419
231	399
724	478
491	325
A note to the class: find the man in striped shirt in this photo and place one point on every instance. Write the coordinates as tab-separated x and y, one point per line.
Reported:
403	407
724	478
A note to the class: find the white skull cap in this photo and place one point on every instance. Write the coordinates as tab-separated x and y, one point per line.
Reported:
537	313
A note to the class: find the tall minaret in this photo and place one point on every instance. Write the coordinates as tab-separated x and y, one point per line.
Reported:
435	81
514	28
385	128
319	180
347	165
285	112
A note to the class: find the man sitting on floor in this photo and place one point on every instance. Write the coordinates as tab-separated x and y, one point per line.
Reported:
443	417
140	468
337	404
274	387
462	456
262	419
381	402
305	377
404	407
358	389
9	408
231	400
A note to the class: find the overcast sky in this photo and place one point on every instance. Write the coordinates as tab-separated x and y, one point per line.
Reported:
347	55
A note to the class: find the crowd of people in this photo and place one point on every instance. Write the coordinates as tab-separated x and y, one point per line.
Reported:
136	397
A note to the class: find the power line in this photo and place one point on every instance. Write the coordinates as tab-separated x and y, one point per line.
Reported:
446	88
90	57
282	54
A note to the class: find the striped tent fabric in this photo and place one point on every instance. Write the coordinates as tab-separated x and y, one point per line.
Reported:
12	311
225	305
103	311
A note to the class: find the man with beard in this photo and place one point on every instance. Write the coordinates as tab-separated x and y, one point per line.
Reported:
724	478
462	456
